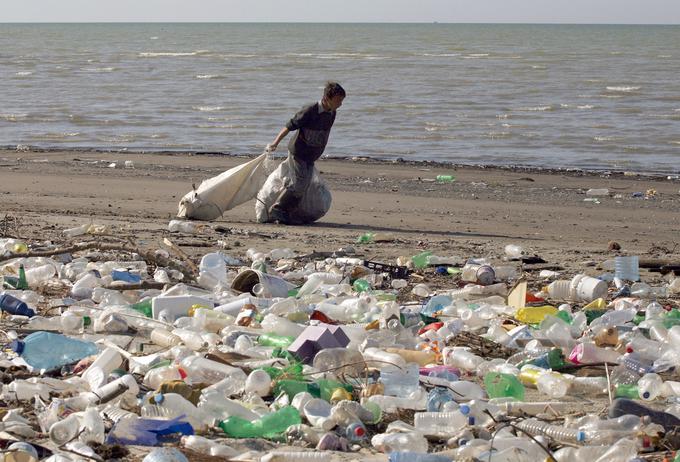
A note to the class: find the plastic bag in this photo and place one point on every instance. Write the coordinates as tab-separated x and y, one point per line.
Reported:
226	190
314	204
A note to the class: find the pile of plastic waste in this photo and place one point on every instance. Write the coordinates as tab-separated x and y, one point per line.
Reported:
110	355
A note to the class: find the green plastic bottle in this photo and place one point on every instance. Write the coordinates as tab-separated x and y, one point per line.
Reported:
622	390
294	371
268	426
672	318
143	307
445	178
23	283
499	385
564	316
361	285
322	388
273	340
592	315
421	260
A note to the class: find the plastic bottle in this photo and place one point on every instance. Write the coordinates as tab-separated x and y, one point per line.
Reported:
650	386
158	375
400	442
165	455
478	274
65	430
22	284
461	358
595	192
84	286
297	456
437	397
97	373
170	405
558	433
259	383
333	359
627	268
401	382
347	412
188	227
208	447
399	456
622	406
15	306
503	385
560	290
513	251
445	178
204	370
164	338
393	403
439	423
48	351
421	260
268	426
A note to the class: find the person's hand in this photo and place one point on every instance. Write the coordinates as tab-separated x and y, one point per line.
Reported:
271	147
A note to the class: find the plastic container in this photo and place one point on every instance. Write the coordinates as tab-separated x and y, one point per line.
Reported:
205	370
650	386
585	288
627	268
48	351
400	442
12	305
164	338
401	382
558	433
170	405
439	423
478	274
513	251
499	385
268	426
169	308
165	454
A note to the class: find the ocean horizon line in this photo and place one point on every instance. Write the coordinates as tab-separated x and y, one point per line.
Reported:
433	22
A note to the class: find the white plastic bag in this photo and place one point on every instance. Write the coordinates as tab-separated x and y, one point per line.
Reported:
314	204
225	191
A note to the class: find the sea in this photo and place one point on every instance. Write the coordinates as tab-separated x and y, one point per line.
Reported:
594	97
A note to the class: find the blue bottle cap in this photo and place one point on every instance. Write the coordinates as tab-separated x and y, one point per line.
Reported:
17	346
159	398
464	409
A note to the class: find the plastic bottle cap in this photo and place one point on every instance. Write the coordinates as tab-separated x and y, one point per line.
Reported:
464	409
17	346
159	398
359	430
581	436
646	395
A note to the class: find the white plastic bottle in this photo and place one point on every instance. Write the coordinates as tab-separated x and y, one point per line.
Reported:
440	423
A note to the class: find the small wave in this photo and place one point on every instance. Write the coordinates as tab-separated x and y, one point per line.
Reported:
565	106
675	142
12	117
165	54
539	67
664	56
585	106
153	38
441	55
24	73
623	89
503	116
207	108
435	126
476	55
604	138
535	109
57	136
97	69
208	76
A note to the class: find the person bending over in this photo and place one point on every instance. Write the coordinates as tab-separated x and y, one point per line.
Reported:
312	126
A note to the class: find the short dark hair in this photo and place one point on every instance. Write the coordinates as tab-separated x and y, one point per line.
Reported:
333	89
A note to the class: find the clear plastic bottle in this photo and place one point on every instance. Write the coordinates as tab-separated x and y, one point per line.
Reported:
259	383
650	386
627	268
401	382
440	423
164	338
48	351
339	361
393	403
205	370
171	405
159	375
398	442
561	434
208	447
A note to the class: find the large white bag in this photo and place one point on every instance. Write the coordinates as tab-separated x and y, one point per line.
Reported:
314	204
225	191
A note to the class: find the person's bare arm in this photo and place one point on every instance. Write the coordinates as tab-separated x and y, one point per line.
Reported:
282	134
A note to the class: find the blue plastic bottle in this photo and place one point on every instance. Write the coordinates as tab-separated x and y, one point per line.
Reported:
397	456
48	351
13	305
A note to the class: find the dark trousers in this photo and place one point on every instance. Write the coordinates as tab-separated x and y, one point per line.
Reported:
299	179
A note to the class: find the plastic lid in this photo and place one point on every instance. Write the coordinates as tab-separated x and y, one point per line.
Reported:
159	398
464	409
17	346
581	436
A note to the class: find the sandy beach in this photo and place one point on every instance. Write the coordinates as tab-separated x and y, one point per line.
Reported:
546	212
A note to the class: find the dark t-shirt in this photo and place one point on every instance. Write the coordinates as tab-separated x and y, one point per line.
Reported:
313	129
